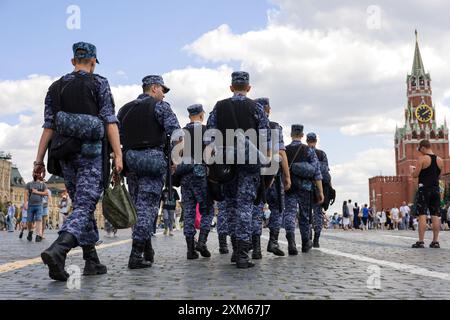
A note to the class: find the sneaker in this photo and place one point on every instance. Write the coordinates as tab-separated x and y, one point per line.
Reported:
418	244
30	236
38	238
435	245
171	233
165	232
21	235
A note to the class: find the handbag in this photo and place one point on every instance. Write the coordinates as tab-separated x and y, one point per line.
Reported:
118	208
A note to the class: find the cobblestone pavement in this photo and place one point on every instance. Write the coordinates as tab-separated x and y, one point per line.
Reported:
345	267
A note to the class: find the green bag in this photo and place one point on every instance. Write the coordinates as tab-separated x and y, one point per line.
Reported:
118	207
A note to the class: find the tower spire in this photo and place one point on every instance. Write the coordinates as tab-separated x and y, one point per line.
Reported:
417	69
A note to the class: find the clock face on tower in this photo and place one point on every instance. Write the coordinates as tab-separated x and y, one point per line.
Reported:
424	113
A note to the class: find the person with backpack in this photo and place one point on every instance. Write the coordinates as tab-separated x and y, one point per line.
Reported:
306	188
148	130
311	140
79	120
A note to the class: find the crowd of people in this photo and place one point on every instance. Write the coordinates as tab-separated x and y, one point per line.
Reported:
355	217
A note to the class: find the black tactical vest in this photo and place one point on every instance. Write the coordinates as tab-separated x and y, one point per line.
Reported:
302	155
244	111
193	141
320	155
139	128
78	95
274	125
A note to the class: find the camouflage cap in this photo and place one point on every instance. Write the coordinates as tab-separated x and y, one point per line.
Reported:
195	109
155	79
240	77
90	51
297	129
263	101
311	137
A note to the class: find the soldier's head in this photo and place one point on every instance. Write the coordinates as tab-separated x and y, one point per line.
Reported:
424	147
196	113
265	103
240	82
311	139
154	86
84	56
297	131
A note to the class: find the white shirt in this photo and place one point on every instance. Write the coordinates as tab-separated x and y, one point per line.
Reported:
405	210
350	209
395	212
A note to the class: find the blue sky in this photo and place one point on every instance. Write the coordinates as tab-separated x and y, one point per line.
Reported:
137	37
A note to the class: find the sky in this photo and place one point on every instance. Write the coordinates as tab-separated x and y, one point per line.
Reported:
338	67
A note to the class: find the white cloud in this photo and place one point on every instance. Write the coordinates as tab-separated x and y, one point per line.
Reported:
350	179
23	95
370	126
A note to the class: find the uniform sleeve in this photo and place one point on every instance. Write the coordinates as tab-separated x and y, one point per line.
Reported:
212	121
281	139
263	123
49	117
168	120
315	163
106	102
325	159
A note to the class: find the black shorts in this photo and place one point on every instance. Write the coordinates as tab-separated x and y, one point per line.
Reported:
429	198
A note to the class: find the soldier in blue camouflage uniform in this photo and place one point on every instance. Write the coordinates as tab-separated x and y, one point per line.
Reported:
194	186
241	192
311	139
145	190
275	193
300	197
82	174
222	226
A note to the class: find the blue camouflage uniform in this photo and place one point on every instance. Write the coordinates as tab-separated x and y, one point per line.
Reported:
325	171
194	190
83	176
222	218
241	193
276	217
301	200
145	191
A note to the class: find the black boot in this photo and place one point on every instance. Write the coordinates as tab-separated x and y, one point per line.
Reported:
191	253
30	236
292	247
149	253
201	244
55	256
306	245
223	246
235	249
256	241
243	261
316	240
273	246
136	260
92	264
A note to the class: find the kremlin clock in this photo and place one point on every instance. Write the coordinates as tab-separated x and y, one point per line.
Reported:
424	113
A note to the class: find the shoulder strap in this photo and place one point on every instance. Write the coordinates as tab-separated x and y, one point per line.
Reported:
296	154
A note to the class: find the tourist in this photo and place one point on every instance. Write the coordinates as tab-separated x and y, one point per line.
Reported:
345	215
